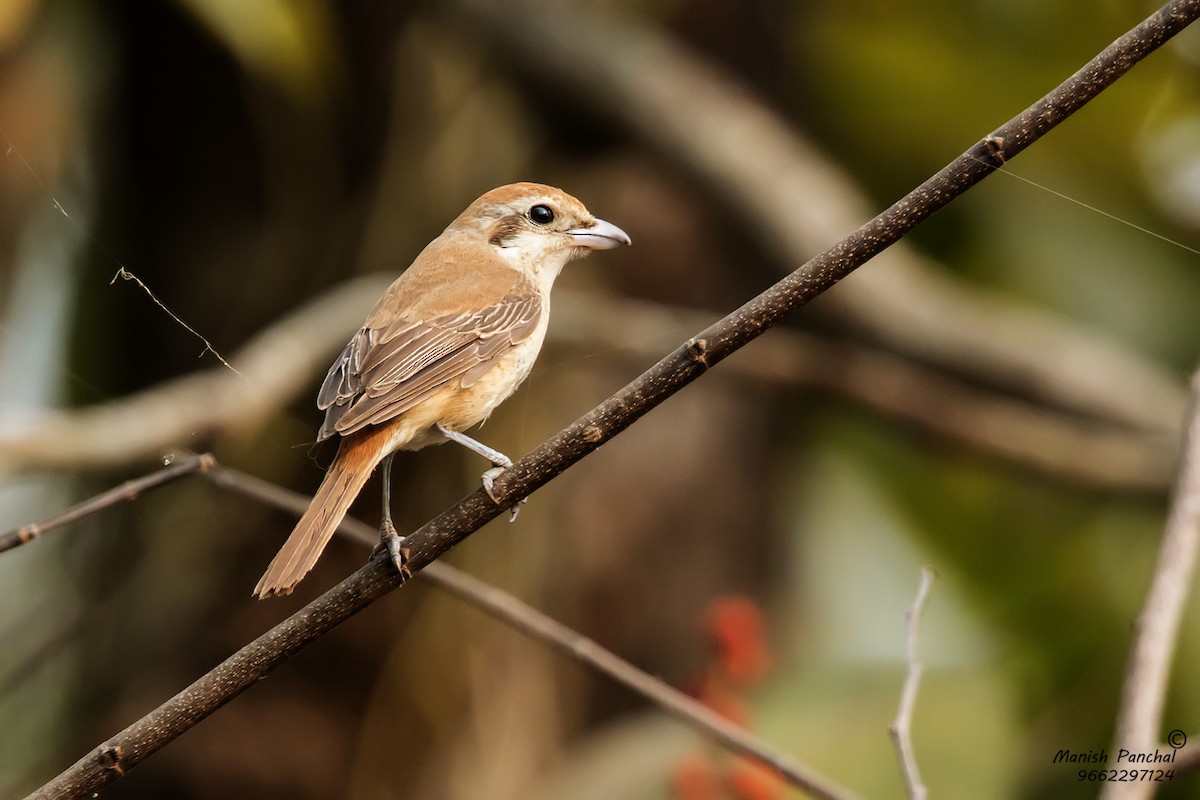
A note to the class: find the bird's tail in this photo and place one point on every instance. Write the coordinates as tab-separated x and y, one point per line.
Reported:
355	461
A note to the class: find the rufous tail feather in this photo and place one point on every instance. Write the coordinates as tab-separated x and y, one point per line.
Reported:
353	465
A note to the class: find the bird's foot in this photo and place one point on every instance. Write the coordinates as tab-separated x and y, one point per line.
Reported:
500	462
489	477
392	543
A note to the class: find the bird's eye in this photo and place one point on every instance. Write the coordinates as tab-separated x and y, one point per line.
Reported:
541	214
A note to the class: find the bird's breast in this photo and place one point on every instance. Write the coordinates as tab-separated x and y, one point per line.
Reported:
473	404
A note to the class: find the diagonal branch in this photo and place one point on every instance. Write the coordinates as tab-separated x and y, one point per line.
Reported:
374	580
126	491
1157	630
501	605
533	623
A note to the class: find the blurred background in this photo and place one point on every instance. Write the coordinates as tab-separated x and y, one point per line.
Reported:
1000	398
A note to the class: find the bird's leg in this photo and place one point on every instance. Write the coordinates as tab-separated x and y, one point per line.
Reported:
500	462
389	540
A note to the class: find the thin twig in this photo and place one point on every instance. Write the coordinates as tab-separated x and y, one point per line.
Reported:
275	367
499	604
1157	629
256	660
707	722
901	727
536	625
126	491
125	274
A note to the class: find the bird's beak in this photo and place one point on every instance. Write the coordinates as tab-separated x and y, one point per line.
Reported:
600	236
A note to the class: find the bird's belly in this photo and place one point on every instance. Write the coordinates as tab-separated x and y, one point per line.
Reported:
477	401
459	408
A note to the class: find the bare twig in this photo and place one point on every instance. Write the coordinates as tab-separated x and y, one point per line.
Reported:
790	195
674	702
1157	630
257	659
536	625
273	367
126	491
125	274
491	600
901	727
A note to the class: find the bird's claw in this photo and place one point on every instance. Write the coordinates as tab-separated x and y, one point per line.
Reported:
392	544
488	478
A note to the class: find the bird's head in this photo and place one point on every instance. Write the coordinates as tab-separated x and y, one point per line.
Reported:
536	228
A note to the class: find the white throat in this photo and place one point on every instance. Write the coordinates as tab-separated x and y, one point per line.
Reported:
528	254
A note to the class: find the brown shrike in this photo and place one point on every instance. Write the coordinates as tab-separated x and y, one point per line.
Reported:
450	340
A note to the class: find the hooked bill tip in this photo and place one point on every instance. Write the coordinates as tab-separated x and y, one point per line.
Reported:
600	236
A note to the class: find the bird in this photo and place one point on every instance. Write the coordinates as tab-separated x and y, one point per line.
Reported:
450	339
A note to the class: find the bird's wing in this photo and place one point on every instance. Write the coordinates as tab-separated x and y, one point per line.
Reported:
386	371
